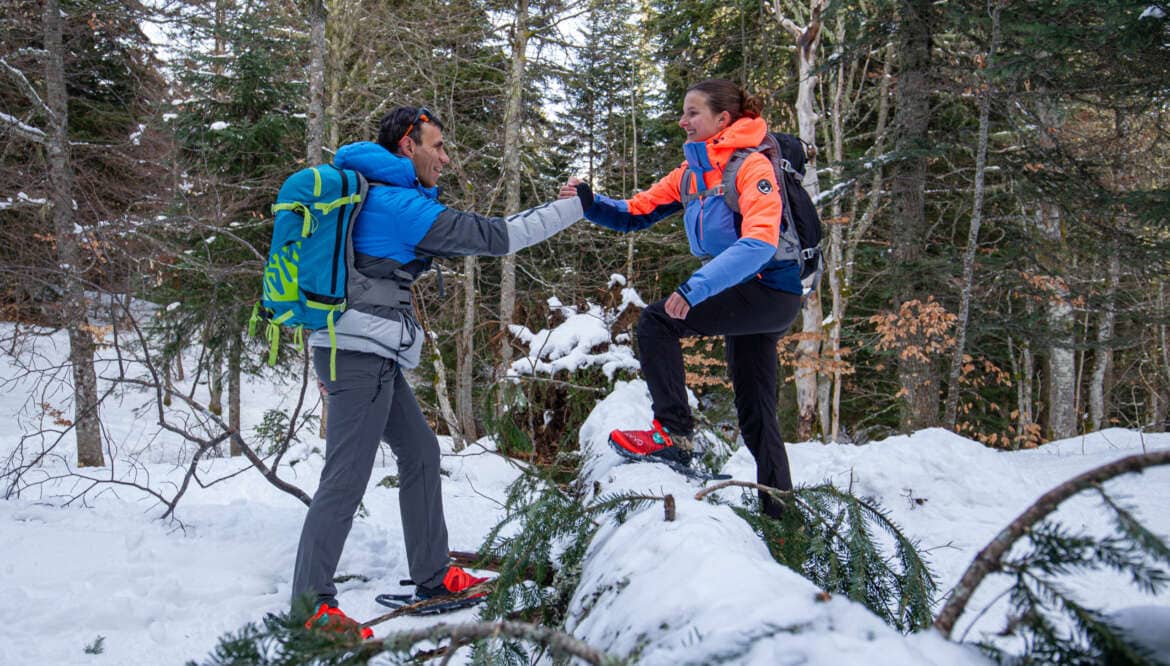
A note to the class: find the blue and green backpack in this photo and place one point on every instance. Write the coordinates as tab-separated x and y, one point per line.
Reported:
311	253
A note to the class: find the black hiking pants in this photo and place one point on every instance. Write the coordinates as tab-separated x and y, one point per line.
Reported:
751	318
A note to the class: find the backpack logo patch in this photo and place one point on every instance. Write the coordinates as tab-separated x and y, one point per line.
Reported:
764	186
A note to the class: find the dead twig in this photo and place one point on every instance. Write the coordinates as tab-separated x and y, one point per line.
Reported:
990	559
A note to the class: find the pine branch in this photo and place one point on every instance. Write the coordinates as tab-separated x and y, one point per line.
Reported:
990	559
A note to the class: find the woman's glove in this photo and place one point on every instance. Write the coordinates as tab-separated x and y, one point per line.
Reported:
585	194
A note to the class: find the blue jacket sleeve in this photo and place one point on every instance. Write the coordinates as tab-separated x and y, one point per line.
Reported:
734	265
615	214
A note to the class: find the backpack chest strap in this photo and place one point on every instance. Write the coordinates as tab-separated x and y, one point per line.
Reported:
692	176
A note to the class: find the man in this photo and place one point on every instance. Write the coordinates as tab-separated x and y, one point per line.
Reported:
400	228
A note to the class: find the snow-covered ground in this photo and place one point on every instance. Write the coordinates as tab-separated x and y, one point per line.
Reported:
688	591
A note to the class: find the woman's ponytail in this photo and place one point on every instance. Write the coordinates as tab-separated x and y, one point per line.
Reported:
752	106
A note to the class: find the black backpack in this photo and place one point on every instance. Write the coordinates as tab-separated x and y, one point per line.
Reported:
802	227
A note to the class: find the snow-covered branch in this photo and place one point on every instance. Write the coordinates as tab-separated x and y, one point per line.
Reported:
21	129
27	88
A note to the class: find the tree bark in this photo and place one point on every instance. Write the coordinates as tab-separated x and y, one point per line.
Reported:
808	348
952	406
1022	375
214	380
833	256
465	357
1159	417
841	277
511	159
235	354
315	135
445	409
809	343
1103	354
74	306
917	377
1061	366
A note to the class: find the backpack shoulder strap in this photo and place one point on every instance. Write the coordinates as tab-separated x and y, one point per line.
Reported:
769	147
685	197
730	193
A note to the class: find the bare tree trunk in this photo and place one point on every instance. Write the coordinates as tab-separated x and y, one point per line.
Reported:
1061	368
1103	355
213	358
315	134
952	406
465	357
445	409
808	348
74	308
235	353
636	106
511	159
841	276
833	256
1164	350
1022	376
917	376
317	49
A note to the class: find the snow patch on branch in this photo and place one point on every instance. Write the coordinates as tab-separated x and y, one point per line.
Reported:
581	341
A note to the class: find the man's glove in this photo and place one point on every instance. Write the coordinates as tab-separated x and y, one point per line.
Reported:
585	194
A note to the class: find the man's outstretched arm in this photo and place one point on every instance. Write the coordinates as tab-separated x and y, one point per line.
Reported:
456	233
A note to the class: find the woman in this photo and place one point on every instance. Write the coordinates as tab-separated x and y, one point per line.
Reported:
743	291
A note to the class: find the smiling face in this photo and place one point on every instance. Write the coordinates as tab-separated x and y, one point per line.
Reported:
429	154
698	120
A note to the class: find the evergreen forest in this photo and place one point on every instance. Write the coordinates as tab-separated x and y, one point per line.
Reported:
993	177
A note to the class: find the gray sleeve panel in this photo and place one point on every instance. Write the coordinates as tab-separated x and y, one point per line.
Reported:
456	233
534	225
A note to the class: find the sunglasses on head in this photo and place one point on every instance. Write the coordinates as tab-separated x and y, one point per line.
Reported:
423	116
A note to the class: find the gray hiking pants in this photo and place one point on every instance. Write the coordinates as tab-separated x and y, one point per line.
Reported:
370	401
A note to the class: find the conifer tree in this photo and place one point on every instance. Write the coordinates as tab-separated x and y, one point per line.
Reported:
239	125
77	92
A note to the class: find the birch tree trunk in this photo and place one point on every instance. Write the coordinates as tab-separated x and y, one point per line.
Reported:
445	409
511	159
808	348
465	359
917	377
1061	368
952	406
1103	355
74	307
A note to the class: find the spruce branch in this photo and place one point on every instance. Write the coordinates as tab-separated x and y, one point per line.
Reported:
826	534
558	643
990	559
